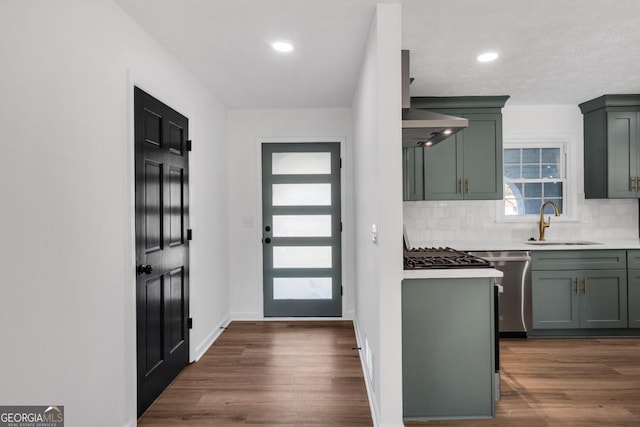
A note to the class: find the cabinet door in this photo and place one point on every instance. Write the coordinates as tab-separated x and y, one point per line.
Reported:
555	299
603	299
482	157
413	173
633	298
622	137
443	169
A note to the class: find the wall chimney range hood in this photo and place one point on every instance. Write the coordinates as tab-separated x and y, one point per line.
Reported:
421	128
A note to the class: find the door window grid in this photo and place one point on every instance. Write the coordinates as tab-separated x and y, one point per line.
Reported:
534	174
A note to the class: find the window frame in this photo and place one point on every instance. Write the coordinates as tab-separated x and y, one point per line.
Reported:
567	169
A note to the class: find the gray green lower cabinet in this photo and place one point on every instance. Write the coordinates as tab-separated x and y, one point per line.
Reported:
447	349
633	262
575	299
584	289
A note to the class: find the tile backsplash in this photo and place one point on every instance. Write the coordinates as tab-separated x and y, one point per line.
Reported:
427	221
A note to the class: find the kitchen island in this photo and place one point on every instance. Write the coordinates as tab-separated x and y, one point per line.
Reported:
448	344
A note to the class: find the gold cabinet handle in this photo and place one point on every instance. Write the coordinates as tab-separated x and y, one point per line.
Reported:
584	283
460	184
635	184
467	184
577	285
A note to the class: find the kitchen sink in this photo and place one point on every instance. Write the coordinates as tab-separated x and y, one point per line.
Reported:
552	243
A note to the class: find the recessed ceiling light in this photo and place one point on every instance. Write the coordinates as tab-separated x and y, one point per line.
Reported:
282	46
487	57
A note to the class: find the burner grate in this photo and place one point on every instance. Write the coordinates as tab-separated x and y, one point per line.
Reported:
420	258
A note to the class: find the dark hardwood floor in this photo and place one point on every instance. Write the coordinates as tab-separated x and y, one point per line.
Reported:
270	374
306	374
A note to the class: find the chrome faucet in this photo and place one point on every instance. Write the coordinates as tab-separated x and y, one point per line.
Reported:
546	224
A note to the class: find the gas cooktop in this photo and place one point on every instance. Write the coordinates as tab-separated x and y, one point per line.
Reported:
421	258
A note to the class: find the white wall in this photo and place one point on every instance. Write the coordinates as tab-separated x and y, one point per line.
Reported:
67	311
247	129
377	199
429	222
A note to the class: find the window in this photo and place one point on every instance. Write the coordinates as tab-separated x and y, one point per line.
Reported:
534	174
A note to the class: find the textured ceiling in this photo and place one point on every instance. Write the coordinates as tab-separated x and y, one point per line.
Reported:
551	51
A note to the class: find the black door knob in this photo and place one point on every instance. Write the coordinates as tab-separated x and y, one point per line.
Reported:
144	269
267	240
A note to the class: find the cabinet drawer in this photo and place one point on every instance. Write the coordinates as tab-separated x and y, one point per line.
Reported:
633	259
579	260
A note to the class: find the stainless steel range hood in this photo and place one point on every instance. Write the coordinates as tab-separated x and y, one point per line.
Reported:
421	128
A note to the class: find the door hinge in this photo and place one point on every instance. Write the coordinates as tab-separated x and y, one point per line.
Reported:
341	227
340	162
189	146
189	234
190	323
341	290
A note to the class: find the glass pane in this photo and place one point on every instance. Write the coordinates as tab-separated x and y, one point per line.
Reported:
302	288
302	257
512	199
300	163
532	206
550	171
532	190
302	225
531	155
553	189
550	155
548	210
301	194
512	171
531	171
512	155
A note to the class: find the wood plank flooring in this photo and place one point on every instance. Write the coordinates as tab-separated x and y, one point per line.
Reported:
306	374
566	382
270	374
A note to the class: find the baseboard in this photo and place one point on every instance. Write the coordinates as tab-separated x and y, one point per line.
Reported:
210	339
373	404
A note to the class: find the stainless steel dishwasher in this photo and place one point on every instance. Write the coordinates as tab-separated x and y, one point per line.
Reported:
515	300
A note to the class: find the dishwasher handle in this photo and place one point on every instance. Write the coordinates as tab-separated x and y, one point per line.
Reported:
497	259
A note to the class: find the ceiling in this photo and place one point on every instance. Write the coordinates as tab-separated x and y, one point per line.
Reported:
551	51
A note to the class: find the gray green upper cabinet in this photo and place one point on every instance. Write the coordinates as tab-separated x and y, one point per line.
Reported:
467	165
612	147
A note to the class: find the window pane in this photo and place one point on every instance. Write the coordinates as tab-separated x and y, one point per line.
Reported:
531	171
548	210
512	171
550	155
302	288
512	199
512	155
302	225
553	189
550	171
533	190
532	206
302	257
531	155
300	163
301	194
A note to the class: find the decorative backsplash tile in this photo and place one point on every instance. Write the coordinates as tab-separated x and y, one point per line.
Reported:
426	221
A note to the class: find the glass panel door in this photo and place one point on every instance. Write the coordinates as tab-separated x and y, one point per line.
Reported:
301	229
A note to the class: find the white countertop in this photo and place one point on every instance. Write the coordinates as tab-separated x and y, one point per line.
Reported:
452	273
507	245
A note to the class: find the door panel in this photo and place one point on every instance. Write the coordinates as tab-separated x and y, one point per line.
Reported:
622	153
555	299
604	299
301	229
162	250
